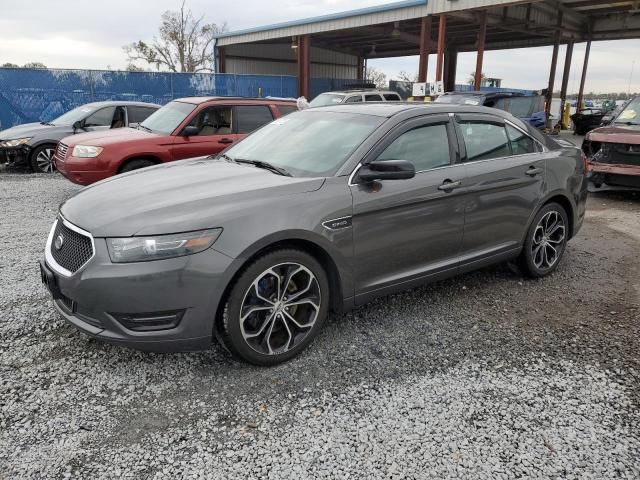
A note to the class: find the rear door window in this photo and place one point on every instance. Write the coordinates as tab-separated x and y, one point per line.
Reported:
521	143
372	97
287	109
426	147
139	114
251	117
392	97
484	140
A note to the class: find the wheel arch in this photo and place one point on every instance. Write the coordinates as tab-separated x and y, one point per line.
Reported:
563	200
301	242
145	156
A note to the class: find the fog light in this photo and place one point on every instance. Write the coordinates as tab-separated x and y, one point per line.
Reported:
146	322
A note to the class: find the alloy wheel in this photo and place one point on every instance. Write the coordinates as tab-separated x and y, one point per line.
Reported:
548	240
44	160
280	308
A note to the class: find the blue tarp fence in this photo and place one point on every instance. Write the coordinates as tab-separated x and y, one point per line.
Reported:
32	95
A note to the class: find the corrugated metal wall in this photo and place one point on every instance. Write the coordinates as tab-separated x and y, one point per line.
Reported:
280	59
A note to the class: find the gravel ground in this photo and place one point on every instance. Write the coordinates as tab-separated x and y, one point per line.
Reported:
488	375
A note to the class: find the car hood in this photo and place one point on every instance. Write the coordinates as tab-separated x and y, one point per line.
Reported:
178	197
108	137
629	134
32	130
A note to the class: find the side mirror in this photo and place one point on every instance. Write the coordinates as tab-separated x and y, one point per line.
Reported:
190	131
387	170
78	125
134	125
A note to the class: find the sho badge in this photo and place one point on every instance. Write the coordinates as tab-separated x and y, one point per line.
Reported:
59	242
337	223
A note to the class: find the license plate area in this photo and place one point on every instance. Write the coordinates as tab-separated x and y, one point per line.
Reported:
50	281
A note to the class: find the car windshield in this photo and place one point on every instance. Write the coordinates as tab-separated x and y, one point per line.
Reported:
74	115
308	143
325	99
631	113
166	119
460	99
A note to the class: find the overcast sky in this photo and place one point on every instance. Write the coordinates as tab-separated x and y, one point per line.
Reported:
90	34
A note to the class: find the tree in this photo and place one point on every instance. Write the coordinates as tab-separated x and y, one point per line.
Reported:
185	43
376	77
405	77
133	68
9	65
472	78
34	65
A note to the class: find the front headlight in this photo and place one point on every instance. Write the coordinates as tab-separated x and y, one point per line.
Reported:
144	249
15	143
86	151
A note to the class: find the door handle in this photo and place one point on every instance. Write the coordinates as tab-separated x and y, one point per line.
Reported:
448	185
533	171
225	140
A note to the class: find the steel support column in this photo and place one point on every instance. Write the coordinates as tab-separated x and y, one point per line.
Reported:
304	65
222	61
584	74
442	27
360	67
425	48
552	73
482	36
565	80
450	67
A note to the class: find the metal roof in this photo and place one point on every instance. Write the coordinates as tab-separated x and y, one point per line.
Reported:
393	29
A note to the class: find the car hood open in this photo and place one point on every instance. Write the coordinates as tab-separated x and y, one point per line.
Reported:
627	134
177	197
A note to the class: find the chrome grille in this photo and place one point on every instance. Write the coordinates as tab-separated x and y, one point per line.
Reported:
69	248
62	150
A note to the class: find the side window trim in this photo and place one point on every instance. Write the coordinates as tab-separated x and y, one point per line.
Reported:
536	142
480	118
410	124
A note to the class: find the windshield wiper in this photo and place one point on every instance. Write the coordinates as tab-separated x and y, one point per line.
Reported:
264	165
146	128
222	155
47	123
627	123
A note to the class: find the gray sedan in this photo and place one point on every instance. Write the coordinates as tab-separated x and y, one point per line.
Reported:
34	144
323	209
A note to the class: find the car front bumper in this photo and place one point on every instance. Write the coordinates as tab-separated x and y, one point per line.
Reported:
15	155
82	171
98	298
621	175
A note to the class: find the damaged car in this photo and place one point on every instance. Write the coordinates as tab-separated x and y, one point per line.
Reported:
613	151
33	144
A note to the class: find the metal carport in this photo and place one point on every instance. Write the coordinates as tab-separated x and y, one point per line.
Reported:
338	45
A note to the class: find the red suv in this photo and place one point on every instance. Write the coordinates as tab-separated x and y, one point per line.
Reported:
183	128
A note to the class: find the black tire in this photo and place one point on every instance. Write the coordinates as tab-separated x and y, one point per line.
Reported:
41	159
136	164
548	233
273	320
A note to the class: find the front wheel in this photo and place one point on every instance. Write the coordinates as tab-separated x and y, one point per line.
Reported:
546	241
41	160
276	307
136	164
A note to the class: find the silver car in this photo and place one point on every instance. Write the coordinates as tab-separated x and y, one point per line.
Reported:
324	209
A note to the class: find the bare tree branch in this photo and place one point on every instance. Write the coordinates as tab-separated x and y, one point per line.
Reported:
184	43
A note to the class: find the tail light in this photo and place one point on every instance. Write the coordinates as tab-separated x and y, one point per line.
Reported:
585	164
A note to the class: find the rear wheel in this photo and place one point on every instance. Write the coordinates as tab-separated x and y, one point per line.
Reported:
546	241
41	159
276	307
136	164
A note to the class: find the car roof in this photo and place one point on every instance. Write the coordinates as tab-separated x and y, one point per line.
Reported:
240	100
478	93
358	90
115	103
389	109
